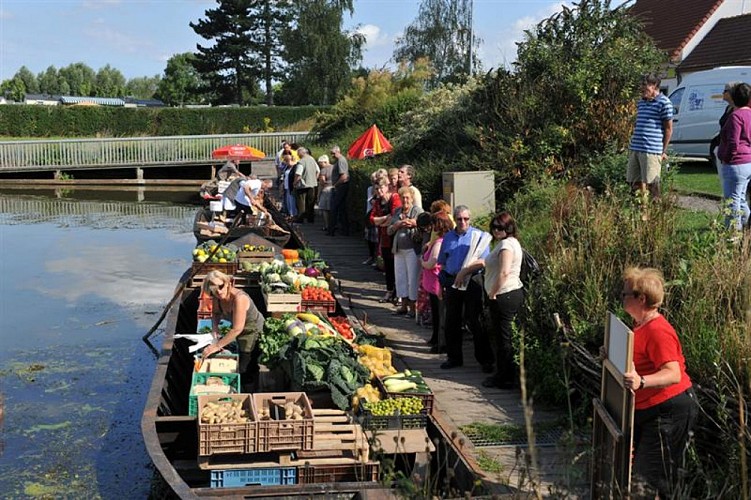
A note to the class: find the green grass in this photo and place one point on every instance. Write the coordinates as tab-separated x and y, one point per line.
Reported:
488	463
697	177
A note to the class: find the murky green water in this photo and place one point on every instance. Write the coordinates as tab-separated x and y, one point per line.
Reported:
81	281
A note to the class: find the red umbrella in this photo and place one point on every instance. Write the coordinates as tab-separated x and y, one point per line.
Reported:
238	152
369	144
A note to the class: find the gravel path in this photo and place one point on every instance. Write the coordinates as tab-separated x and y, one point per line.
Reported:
699	203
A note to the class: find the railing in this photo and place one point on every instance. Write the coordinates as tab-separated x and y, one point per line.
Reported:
96	214
72	154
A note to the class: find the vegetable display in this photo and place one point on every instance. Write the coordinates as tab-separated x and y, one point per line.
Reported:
408	380
221	254
278	277
377	360
314	362
365	394
224	412
342	326
319	294
399	406
273	337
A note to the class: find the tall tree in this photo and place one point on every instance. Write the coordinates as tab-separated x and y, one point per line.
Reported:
29	80
181	83
320	52
49	81
80	78
109	82
269	19
442	32
13	89
229	64
142	87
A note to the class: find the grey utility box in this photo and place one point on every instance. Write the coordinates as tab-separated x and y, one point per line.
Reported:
473	189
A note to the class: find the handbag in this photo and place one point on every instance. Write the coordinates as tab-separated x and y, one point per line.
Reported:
530	268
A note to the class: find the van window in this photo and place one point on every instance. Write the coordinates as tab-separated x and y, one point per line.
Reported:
675	99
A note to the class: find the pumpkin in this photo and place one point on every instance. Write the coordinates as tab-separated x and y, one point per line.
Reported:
290	254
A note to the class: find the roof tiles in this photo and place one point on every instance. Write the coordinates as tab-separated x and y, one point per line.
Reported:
726	45
672	23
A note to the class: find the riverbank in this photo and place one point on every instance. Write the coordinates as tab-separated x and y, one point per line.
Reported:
460	398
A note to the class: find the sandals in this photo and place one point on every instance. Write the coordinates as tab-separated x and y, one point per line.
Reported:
387	298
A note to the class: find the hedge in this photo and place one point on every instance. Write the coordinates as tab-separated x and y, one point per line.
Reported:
102	121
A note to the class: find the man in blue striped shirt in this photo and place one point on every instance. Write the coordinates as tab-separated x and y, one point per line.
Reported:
649	143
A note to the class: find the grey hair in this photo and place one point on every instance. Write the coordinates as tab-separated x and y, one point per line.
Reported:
336	149
409	169
461	208
302	151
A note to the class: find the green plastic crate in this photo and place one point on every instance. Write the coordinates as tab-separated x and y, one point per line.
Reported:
231	379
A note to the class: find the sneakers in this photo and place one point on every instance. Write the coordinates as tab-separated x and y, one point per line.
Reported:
367	261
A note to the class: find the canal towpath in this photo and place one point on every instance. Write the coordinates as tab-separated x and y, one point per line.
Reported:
460	398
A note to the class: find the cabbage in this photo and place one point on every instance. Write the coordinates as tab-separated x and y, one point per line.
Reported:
322	283
273	278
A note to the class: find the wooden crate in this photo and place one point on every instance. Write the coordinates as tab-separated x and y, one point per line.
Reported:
324	306
282	302
204	267
426	398
255	257
214	439
276	435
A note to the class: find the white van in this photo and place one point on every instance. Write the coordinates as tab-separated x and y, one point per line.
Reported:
698	107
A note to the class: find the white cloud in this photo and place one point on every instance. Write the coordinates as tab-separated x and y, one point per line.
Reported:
99	4
501	51
373	36
108	35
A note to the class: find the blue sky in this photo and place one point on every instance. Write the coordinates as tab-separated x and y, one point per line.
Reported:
138	36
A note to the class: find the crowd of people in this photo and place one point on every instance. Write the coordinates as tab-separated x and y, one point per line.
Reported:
438	261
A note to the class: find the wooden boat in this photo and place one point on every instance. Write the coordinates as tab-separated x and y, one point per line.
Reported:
171	435
273	233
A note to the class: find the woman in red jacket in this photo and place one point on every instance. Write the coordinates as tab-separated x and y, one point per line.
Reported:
664	398
383	211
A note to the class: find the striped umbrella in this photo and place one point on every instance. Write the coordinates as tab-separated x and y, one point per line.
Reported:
369	144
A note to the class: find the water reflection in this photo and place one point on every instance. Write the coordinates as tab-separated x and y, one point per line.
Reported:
81	281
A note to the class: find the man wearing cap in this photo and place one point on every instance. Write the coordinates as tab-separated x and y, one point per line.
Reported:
340	181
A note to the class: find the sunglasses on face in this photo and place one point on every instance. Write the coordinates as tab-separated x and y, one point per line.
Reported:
462	218
497	228
216	288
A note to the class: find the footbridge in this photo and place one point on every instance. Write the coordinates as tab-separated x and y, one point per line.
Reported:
70	155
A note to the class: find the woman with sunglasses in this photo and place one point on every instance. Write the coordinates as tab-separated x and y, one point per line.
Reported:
663	395
236	306
505	293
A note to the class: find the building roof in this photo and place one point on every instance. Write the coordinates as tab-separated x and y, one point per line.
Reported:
102	101
726	45
149	103
672	23
41	97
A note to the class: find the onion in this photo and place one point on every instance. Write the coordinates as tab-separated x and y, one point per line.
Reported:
312	272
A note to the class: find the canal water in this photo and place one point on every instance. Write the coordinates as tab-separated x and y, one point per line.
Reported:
83	275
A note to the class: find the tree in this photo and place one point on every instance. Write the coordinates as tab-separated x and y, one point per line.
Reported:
142	87
29	80
229	65
13	89
320	52
49	81
442	32
80	79
269	18
109	82
181	83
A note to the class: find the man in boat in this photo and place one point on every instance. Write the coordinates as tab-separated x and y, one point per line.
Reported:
249	198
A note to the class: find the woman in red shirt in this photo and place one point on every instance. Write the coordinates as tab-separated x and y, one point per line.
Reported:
664	399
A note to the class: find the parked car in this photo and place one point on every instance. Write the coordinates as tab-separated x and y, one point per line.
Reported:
698	106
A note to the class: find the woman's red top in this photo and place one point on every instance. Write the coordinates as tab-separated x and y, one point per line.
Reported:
656	343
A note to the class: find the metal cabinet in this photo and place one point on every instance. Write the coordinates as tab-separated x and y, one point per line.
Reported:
473	189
